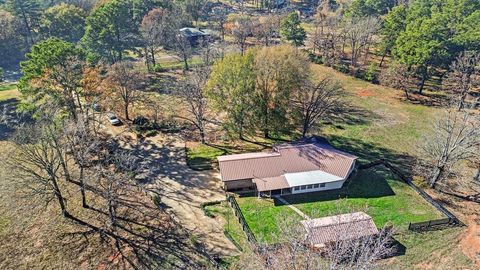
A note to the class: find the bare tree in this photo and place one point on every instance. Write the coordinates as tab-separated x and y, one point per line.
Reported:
454	138
464	76
38	164
219	19
82	144
328	35
242	28
397	76
359	33
125	82
315	102
191	91
183	48
295	251
266	28
155	29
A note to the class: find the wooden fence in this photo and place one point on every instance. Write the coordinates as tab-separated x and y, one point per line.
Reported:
241	219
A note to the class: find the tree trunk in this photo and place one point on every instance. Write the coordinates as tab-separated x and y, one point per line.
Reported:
126	111
185	62
383	58
437	174
424	78
305	128
29	29
59	196
152	52
202	136
82	189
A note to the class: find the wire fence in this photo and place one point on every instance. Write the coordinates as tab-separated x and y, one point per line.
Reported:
436	224
241	219
432	225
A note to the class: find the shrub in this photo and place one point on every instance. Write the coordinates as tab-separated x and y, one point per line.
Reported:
371	73
157	201
1	74
158	68
342	68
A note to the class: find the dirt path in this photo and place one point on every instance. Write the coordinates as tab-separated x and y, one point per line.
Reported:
182	190
300	213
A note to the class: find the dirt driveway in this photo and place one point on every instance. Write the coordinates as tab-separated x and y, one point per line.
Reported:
182	189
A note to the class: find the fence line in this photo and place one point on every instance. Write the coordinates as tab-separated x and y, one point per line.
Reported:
241	219
432	224
451	219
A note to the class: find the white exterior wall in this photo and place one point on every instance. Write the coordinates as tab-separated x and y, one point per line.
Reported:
328	186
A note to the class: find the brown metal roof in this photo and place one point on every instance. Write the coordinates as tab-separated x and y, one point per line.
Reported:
286	158
339	228
271	183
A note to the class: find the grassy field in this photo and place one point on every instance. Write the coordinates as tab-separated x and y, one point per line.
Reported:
379	122
8	91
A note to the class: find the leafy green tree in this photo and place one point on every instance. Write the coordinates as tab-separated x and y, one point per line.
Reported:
113	28
278	71
393	26
468	32
362	8
436	32
29	12
63	21
291	29
230	90
53	69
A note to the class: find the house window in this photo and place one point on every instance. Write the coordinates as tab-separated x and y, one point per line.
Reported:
304	187
315	186
309	187
322	185
296	188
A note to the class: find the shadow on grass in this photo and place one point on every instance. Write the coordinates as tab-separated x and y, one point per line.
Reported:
368	152
10	119
365	184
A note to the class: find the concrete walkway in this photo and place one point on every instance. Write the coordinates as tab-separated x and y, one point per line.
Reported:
278	197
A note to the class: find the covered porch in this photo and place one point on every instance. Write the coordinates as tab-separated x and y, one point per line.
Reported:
272	186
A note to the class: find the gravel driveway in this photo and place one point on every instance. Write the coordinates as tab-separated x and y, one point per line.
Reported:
182	189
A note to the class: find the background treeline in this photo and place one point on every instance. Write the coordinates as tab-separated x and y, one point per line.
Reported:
419	38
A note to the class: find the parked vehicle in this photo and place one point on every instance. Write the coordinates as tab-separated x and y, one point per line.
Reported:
113	119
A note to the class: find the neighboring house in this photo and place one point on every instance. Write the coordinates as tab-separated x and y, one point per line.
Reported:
346	227
305	166
194	35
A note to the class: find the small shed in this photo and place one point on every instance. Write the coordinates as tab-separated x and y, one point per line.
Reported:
322	231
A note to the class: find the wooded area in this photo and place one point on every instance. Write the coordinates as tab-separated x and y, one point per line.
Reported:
223	73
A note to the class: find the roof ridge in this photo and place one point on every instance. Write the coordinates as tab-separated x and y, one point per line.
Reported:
267	155
363	217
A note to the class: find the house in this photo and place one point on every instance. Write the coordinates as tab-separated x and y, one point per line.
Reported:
309	165
194	35
326	230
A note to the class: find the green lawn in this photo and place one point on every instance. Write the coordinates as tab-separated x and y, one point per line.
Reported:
374	191
232	227
202	156
262	215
